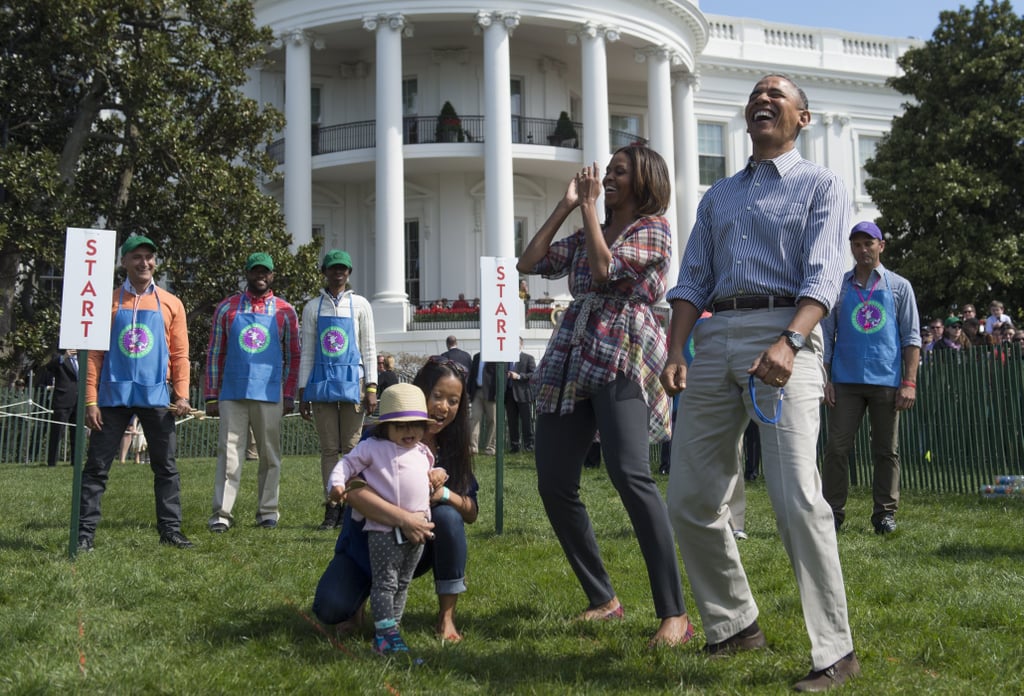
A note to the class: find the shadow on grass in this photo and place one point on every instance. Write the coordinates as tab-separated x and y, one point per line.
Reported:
980	552
19	544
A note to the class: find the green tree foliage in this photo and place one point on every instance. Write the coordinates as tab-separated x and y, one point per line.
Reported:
948	179
129	115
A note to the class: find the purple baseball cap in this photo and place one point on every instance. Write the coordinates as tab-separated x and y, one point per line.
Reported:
868	228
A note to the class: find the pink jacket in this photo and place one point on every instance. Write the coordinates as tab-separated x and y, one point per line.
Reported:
397	474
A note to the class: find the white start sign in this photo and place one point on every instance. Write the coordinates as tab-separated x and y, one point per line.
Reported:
89	257
501	310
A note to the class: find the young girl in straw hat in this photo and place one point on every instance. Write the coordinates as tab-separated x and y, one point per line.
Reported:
396	464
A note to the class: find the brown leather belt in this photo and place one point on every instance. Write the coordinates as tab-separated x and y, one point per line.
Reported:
753	302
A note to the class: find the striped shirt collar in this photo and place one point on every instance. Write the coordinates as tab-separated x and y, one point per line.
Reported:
783	163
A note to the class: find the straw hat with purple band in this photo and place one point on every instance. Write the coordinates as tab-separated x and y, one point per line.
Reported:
403	402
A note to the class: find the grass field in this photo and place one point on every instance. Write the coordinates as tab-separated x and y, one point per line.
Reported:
936	608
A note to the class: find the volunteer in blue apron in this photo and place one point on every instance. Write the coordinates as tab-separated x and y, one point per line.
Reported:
872	351
148	347
252	370
338	369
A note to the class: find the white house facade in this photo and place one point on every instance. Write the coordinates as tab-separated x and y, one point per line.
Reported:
371	165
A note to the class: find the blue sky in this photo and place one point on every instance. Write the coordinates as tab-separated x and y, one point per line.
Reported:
900	18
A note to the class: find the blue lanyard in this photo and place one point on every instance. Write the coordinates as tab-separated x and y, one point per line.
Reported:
778	407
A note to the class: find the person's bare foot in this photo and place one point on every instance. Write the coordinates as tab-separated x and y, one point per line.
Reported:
612	609
446	631
673	632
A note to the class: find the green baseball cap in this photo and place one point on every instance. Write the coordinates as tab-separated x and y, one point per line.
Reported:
260	258
134	242
335	257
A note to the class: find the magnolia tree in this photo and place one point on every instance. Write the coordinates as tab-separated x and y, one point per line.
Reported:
948	178
129	116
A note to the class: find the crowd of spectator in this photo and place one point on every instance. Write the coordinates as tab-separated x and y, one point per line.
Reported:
964	330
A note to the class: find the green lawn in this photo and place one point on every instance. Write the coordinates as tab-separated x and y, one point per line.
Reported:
935	608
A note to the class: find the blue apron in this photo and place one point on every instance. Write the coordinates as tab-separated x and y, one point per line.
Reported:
135	368
867	347
252	366
335	373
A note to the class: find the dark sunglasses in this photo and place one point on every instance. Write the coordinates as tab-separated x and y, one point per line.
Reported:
458	368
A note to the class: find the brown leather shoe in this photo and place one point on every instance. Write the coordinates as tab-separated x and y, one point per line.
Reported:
835	675
750	638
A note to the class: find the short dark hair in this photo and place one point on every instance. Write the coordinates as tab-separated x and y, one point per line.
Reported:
652	183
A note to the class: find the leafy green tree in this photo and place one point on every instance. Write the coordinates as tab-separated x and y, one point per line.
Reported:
129	115
948	178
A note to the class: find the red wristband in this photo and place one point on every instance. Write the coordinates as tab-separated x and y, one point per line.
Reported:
908	383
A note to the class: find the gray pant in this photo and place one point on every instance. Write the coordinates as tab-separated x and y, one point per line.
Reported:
843	422
392	565
620	414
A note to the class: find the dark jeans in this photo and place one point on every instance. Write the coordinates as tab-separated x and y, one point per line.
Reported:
158	425
345	584
619	413
852	400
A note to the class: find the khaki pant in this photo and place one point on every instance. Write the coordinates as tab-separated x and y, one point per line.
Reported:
339	426
236	419
713	413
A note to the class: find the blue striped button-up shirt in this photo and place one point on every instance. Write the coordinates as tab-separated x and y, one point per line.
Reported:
778	227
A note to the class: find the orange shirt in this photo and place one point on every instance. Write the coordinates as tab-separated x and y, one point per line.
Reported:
175	331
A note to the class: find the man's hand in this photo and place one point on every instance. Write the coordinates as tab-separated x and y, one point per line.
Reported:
905	397
673	377
775	365
289	405
93	418
830	395
182	407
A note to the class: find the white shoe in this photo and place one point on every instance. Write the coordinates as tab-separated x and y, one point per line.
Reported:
739	534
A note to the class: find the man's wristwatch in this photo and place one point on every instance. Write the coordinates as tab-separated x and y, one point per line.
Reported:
794	340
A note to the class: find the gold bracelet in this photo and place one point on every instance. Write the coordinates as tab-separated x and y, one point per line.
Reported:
371	390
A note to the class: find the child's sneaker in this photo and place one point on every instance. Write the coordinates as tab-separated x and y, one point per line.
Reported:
389	642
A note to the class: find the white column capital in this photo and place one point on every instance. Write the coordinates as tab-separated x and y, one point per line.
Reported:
509	20
641	55
590	30
826	119
298	37
394	21
690	79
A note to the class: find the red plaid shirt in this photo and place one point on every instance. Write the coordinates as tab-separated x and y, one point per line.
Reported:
611	328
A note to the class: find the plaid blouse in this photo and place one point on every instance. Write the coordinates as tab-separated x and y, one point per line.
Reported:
611	328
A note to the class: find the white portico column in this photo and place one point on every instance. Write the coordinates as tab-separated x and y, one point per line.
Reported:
389	299
298	154
499	239
687	158
662	138
596	139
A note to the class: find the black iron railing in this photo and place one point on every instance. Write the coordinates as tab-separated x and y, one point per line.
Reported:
430	129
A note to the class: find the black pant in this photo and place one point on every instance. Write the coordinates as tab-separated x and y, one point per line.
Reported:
619	412
57	430
158	426
520	420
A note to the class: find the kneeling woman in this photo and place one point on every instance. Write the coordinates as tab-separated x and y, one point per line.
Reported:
345	585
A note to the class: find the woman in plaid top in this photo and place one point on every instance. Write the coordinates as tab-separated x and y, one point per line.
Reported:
601	374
